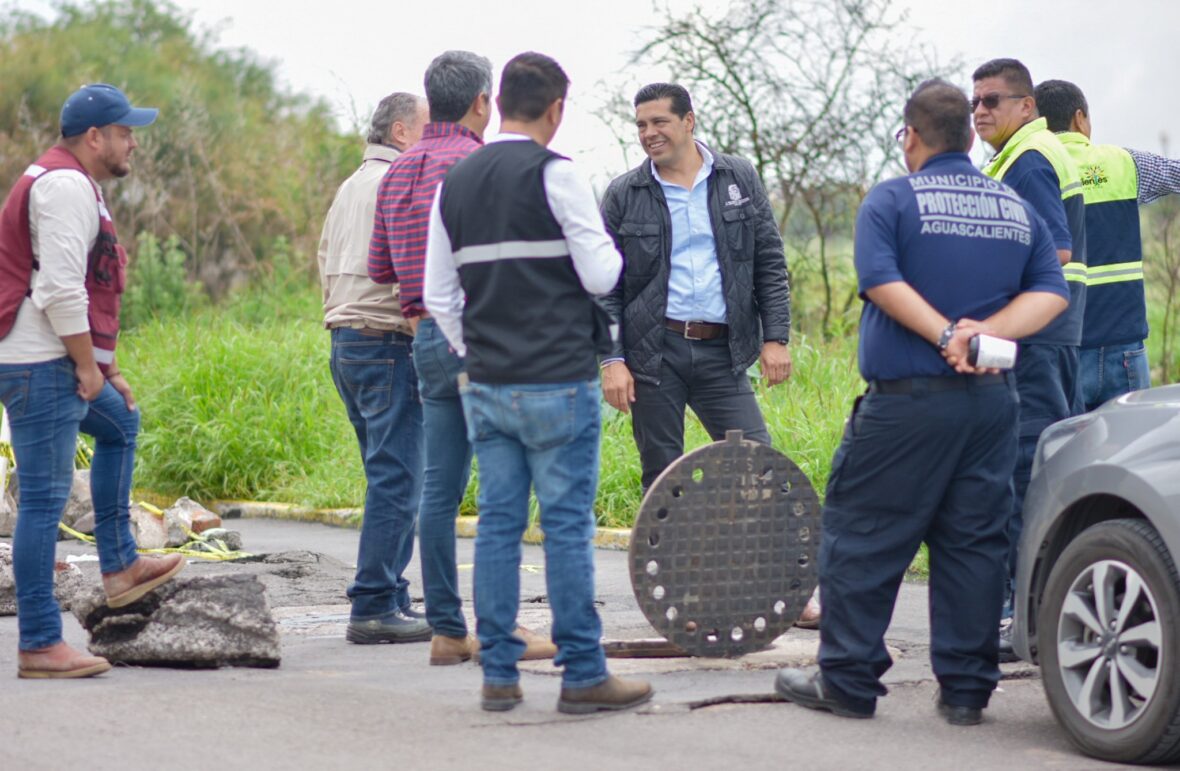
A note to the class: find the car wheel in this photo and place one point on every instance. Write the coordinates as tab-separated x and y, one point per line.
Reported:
1110	652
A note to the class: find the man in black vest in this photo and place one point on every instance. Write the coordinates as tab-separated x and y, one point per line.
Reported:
516	230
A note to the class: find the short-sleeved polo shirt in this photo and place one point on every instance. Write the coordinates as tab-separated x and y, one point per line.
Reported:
966	243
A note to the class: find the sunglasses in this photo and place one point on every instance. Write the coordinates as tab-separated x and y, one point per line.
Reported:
992	101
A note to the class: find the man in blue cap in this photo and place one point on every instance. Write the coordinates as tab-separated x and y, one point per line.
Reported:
61	276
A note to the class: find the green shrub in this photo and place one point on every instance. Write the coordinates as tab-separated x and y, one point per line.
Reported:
157	284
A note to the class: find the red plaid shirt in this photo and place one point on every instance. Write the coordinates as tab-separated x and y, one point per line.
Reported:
397	251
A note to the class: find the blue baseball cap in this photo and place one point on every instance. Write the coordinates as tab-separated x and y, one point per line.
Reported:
101	104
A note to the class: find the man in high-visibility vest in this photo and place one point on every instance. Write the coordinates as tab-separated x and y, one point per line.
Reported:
1030	159
1115	181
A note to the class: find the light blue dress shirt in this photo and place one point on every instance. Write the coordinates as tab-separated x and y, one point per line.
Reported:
695	292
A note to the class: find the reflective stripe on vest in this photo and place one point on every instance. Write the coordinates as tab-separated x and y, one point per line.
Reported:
1035	135
1115	273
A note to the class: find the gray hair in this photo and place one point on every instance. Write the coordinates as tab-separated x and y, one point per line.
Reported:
453	80
397	106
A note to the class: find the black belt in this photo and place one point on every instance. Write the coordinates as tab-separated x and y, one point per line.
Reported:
932	384
697	330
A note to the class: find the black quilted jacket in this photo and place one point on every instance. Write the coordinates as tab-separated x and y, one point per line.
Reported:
749	253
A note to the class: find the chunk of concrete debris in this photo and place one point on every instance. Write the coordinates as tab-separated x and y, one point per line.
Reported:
78	506
187	516
67	582
231	539
147	528
195	622
7	515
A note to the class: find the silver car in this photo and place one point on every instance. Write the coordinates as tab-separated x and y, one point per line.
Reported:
1097	592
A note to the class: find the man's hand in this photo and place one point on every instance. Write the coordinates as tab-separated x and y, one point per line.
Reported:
956	351
618	386
120	384
775	362
90	381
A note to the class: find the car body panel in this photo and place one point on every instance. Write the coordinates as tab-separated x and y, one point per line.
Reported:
1126	451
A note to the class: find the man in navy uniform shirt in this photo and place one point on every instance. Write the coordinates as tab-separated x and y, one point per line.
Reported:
1032	161
941	255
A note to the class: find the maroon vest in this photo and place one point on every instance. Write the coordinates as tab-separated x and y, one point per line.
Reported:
105	269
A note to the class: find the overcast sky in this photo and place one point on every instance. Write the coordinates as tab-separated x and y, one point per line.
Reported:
1125	55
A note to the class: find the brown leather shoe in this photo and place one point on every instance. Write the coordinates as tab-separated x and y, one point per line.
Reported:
59	661
809	618
145	574
612	693
538	647
448	651
500	698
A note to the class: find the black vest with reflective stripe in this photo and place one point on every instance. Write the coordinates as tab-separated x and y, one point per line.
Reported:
527	318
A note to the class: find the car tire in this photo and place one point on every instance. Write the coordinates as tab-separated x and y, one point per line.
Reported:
1110	658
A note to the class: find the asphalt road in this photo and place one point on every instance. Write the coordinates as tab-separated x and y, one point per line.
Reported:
336	705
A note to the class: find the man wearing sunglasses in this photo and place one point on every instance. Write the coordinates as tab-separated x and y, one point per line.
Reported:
1031	160
1115	181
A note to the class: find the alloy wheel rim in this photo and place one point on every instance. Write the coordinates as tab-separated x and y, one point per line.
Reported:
1109	644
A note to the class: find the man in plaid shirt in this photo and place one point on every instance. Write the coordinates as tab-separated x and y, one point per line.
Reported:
458	90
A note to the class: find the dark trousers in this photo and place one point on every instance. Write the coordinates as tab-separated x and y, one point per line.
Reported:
929	466
1047	381
699	374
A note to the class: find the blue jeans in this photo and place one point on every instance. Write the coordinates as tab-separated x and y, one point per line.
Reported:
447	466
375	377
45	414
546	437
1110	371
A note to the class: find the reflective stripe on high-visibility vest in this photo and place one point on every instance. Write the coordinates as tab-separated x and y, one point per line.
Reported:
1075	271
1114	273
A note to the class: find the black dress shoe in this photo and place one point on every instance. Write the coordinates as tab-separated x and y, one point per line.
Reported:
809	691
956	715
395	628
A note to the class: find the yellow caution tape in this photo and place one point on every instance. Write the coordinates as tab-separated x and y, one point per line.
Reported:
200	548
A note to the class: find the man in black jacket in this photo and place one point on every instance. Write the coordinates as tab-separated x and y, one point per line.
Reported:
704	290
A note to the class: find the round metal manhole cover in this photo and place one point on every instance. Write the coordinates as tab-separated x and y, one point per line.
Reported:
723	552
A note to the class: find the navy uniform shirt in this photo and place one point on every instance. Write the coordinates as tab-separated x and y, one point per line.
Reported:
966	243
1033	178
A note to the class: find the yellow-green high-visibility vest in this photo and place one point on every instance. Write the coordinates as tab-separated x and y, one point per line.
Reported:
1036	136
1116	311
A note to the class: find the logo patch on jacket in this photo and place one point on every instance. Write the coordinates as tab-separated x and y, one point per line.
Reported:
1093	175
735	197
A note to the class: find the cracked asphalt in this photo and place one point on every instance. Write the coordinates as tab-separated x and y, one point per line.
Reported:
336	705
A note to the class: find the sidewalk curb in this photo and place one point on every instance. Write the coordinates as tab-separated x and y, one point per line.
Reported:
614	538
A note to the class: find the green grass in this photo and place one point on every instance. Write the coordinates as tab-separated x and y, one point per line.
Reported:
238	402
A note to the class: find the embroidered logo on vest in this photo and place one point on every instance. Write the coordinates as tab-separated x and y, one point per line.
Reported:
1093	175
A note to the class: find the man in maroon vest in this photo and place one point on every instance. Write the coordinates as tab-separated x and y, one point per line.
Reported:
61	277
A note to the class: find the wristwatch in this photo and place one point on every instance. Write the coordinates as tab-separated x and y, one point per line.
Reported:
945	338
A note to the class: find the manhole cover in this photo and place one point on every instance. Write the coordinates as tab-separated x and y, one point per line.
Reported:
723	552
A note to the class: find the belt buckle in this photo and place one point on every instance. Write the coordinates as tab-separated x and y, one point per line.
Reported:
687	336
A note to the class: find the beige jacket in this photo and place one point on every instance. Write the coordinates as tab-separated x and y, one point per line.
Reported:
350	297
